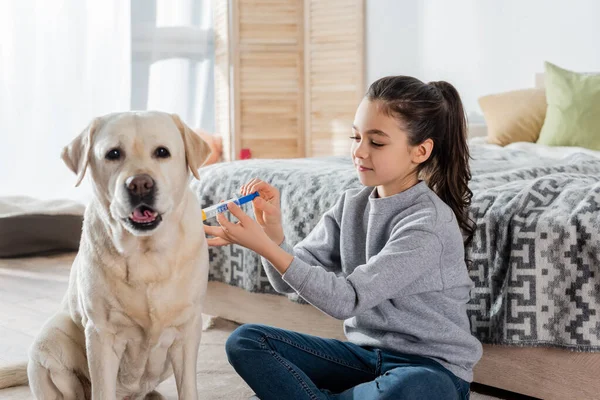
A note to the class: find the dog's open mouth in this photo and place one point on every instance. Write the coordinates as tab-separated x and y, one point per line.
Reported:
144	218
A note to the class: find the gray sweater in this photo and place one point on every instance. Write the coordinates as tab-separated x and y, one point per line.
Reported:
393	269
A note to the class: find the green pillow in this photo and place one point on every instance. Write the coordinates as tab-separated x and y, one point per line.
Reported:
573	113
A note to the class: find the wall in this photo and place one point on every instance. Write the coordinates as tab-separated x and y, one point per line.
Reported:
480	46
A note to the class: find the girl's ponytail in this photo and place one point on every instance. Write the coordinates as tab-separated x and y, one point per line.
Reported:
449	174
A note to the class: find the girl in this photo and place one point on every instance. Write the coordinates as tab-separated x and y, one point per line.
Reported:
387	259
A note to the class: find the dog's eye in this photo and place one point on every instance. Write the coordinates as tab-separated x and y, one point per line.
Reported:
162	152
113	154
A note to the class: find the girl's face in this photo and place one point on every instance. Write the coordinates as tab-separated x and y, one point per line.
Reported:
381	153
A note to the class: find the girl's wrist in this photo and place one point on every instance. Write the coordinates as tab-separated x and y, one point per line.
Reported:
278	257
277	237
279	240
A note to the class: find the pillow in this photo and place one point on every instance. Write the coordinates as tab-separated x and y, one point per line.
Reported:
215	142
31	226
573	114
515	116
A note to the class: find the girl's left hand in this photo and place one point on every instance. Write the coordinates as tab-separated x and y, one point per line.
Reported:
247	232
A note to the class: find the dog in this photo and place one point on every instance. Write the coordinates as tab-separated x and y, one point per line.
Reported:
131	316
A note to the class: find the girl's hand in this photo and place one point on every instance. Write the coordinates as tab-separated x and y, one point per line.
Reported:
246	232
267	208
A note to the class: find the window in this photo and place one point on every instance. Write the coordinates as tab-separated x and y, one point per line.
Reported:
173	59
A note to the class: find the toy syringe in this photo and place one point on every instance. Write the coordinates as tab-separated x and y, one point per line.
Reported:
212	211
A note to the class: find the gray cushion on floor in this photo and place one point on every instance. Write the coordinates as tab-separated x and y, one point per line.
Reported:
31	226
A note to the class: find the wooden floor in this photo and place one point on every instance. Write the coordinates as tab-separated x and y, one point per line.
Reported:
31	290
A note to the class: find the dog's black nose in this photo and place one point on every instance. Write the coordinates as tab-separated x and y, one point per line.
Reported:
140	185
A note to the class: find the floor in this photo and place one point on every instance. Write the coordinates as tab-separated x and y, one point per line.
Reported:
31	289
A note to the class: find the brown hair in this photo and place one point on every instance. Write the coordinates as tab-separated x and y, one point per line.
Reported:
433	111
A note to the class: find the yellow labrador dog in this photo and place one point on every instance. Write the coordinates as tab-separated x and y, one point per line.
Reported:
131	316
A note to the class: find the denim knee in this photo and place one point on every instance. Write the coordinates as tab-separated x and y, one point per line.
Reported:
418	383
245	337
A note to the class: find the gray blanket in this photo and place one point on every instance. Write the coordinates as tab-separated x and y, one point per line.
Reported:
534	255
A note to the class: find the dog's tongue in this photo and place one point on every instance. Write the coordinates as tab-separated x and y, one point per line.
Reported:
142	216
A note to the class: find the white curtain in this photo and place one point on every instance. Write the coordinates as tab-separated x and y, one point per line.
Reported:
62	62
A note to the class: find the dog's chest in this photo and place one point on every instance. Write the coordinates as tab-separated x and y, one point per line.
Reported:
154	307
145	361
153	322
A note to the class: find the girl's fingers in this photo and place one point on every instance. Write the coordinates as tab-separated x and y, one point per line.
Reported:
265	206
258	213
253	181
225	224
246	187
217	242
219	238
264	189
237	212
213	230
258	185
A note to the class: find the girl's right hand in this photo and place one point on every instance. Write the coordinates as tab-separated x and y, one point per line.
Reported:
267	209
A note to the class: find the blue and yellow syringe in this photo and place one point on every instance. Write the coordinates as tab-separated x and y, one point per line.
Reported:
212	211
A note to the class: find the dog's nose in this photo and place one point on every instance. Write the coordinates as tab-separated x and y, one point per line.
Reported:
140	185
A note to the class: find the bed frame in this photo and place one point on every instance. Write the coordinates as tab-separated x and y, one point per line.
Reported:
546	373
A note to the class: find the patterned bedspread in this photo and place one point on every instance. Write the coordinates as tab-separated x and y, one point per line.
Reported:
535	255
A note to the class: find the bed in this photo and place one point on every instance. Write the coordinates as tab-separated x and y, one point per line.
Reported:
535	260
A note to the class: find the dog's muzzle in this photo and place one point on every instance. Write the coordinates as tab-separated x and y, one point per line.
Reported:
142	190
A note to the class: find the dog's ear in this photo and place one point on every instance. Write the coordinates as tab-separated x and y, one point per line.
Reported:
197	150
76	154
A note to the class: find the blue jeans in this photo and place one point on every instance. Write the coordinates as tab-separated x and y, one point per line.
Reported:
279	364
